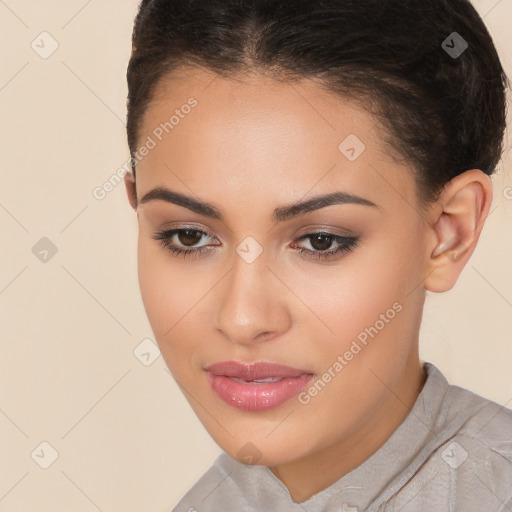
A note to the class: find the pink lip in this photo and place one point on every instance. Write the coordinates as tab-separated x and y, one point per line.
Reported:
253	396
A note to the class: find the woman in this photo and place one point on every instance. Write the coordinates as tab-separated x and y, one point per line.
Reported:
303	172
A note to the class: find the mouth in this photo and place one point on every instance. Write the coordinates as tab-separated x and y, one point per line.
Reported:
257	386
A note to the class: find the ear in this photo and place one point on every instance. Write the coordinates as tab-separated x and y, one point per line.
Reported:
131	189
464	205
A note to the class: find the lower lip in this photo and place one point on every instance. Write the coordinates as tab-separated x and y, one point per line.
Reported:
257	397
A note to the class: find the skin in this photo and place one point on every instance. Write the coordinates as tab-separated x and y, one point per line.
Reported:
246	148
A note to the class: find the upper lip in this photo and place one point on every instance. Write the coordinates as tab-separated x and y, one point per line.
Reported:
254	371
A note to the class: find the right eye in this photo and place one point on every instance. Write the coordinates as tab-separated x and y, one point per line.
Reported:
186	236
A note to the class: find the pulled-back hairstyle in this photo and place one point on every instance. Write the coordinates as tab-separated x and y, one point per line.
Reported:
443	114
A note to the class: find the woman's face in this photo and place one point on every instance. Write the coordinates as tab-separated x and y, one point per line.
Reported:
251	151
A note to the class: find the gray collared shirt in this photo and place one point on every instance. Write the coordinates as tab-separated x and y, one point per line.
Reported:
452	453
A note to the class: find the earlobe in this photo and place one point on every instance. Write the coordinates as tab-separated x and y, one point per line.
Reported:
131	189
465	202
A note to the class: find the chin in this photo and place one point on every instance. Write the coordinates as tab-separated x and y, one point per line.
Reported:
261	453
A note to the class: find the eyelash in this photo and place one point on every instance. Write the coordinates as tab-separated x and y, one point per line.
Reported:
347	244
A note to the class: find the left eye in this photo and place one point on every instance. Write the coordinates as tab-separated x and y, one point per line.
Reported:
320	241
323	238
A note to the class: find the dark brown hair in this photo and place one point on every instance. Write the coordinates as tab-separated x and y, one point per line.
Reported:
443	105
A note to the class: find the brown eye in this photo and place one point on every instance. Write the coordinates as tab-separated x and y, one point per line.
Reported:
321	241
189	236
186	237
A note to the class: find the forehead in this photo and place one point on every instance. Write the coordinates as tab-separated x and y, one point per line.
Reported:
298	109
259	134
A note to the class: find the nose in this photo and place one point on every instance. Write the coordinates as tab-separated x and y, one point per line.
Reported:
251	303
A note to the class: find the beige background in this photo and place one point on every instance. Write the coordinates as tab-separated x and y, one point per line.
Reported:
126	438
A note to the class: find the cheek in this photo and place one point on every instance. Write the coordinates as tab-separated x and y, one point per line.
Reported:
167	292
174	297
364	299
154	280
351	295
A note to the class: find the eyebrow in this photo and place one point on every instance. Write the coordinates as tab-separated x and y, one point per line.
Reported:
280	214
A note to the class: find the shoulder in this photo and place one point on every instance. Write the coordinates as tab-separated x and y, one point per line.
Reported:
459	412
481	423
466	463
471	452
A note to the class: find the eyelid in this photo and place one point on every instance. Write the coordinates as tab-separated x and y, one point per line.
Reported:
182	227
332	230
